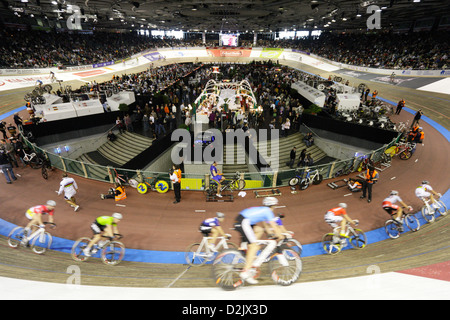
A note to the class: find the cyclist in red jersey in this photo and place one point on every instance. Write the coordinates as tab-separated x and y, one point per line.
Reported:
34	214
337	216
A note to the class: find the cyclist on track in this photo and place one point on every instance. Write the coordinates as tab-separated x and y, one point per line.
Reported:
103	226
425	192
245	224
337	216
389	205
212	226
34	214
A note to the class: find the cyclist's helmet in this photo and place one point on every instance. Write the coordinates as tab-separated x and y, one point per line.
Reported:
220	215
425	182
342	205
270	201
394	192
51	203
117	215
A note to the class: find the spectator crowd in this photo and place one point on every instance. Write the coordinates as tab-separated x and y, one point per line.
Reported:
37	49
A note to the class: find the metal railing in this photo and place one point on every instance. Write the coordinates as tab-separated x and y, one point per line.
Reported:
197	181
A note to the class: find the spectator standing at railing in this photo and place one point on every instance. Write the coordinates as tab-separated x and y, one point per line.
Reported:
11	152
5	166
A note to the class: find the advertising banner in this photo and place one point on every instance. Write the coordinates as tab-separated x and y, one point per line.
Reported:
271	53
229	52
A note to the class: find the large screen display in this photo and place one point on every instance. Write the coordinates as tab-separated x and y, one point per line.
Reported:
230	40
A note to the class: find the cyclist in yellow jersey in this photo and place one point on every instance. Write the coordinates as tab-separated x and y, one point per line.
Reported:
103	226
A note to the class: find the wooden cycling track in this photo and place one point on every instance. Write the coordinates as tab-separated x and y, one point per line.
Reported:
153	222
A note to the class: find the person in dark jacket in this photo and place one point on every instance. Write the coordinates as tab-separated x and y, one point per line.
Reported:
6	167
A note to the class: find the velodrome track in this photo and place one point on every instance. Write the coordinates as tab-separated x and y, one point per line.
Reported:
157	225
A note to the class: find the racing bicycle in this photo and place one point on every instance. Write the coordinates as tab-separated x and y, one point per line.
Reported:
310	178
404	150
198	254
160	186
123	180
39	240
430	211
32	159
284	264
333	242
237	183
111	251
394	228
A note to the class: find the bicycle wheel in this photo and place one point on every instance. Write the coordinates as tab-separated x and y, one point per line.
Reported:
304	184
15	237
405	155
428	214
113	253
36	163
293	182
285	268
441	208
161	186
331	243
142	188
44	172
78	247
358	239
48	88
317	179
412	222
238	185
392	228
226	270
41	243
196	255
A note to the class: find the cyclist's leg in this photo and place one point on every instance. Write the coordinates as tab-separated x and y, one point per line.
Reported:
219	187
96	238
343	232
398	214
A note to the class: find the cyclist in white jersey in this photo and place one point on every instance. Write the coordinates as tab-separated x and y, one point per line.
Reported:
246	225
389	205
425	192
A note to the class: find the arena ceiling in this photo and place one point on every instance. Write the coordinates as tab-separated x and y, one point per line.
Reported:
232	15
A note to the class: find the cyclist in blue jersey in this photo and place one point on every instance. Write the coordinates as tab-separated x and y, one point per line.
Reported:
246	225
217	177
211	226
